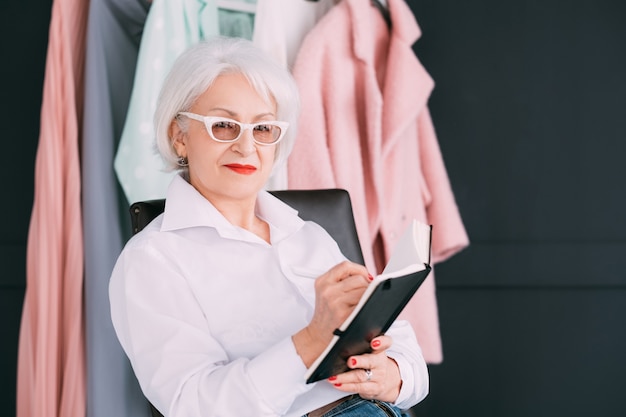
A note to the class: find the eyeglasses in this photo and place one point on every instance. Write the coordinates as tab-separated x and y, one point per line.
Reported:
222	129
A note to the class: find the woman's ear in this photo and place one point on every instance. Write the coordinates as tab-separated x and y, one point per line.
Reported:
178	136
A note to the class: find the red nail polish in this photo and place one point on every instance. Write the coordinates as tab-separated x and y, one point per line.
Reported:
332	378
370	277
337	385
375	343
353	362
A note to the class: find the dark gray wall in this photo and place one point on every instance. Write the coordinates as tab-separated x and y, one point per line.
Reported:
529	107
23	45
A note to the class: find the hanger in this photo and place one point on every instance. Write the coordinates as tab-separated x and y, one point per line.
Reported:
382	6
237	6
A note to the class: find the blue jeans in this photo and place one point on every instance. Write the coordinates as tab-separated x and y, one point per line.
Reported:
358	407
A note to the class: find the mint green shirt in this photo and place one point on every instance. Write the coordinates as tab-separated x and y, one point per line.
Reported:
171	27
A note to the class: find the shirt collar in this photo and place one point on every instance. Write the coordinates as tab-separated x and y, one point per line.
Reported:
185	208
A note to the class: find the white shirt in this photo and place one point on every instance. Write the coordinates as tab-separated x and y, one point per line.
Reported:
280	26
205	311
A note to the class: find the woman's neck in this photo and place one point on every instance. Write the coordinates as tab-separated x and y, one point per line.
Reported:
243	214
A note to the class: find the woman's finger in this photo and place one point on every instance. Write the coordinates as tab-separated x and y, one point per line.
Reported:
345	270
381	343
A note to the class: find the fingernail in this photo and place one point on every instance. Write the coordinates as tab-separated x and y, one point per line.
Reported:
332	378
337	385
370	277
353	362
375	343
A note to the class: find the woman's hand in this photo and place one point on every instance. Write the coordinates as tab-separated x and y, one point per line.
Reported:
382	382
336	294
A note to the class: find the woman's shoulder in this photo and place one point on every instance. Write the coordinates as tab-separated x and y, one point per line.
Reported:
150	238
314	237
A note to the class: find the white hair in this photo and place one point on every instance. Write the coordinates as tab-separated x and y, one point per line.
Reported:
196	69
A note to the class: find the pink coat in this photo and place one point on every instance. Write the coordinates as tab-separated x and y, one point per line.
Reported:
365	127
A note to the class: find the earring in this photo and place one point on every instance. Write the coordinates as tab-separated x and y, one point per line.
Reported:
182	161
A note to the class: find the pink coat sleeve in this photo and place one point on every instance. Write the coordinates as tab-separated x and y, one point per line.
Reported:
312	127
449	235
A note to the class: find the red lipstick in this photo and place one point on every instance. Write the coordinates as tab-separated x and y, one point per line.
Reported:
242	169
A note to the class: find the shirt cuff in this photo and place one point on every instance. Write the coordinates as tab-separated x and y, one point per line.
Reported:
408	379
278	375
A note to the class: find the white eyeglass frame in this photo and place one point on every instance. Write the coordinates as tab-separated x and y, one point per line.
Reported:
209	120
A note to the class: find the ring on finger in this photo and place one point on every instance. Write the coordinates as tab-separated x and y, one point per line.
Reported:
368	374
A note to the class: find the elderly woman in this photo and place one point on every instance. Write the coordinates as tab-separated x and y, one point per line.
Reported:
224	301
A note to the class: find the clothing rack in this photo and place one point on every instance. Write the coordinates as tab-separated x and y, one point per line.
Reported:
382	2
381	5
237	5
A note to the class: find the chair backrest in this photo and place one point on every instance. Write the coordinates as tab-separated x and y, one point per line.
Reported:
330	208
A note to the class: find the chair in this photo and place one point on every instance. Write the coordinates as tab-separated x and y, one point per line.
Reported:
330	208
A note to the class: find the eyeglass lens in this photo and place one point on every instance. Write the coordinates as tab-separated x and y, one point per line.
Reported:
264	133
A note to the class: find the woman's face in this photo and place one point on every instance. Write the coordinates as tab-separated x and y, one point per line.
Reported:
230	171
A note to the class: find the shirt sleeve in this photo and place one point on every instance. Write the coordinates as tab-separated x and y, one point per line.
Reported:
181	368
413	371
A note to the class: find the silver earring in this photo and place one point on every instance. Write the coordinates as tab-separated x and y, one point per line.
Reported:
182	161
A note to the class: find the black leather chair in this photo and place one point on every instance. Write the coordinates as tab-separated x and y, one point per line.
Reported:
330	208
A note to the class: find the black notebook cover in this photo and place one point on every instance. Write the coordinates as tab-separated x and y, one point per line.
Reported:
374	318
